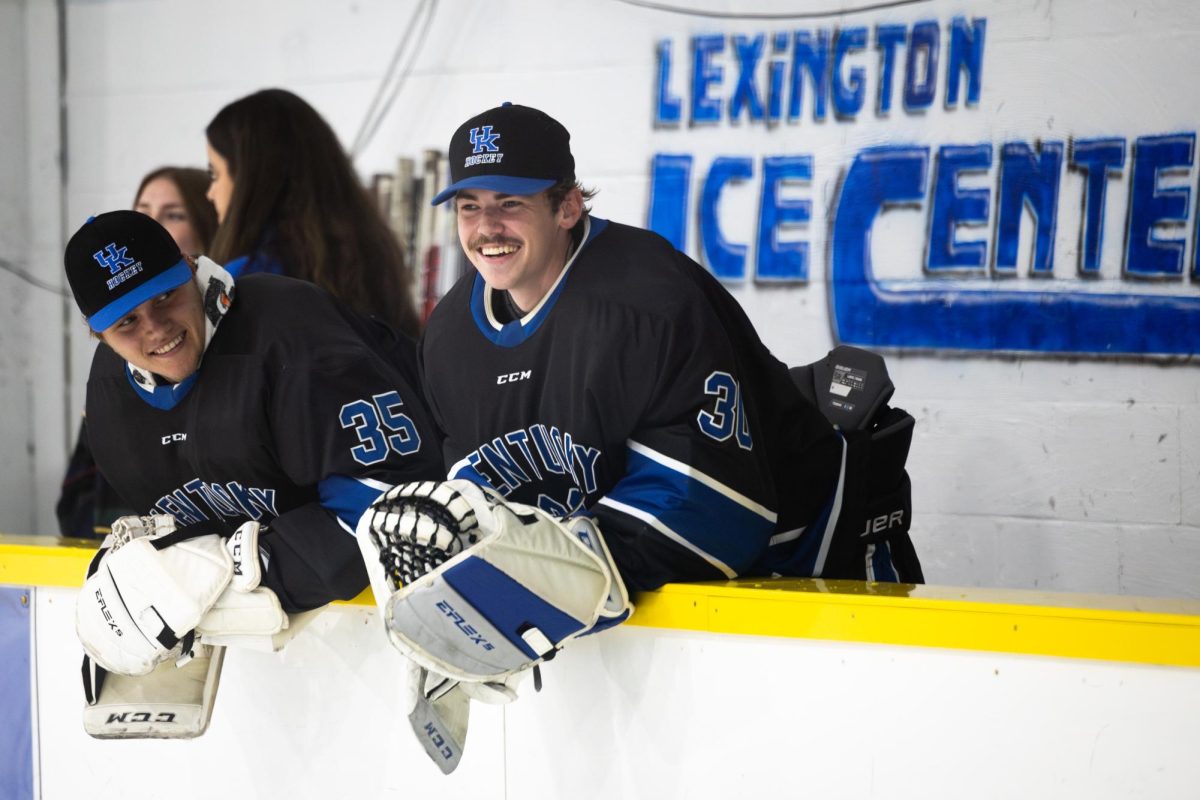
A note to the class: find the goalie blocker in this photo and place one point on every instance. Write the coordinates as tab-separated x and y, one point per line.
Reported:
865	534
158	606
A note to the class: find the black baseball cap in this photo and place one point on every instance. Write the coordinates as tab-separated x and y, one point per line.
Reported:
119	260
511	150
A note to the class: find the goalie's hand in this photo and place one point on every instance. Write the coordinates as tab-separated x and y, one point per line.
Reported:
147	595
416	527
244	609
126	529
243	550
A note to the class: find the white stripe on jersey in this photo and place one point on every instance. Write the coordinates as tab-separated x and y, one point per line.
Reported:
707	480
378	486
657	524
786	536
834	512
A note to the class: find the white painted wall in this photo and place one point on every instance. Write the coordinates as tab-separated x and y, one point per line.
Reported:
647	713
32	374
1076	474
16	481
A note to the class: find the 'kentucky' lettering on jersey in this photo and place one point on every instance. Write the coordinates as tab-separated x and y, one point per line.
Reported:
231	500
524	456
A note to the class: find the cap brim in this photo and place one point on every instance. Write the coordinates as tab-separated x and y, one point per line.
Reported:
106	317
503	184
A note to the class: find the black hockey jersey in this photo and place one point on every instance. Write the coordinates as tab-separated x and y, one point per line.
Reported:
300	414
637	391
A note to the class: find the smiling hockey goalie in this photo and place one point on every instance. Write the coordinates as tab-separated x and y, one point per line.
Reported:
476	591
242	419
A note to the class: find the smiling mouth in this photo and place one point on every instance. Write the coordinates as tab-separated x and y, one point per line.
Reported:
169	346
493	250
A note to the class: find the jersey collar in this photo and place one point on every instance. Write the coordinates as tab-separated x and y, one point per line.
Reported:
513	333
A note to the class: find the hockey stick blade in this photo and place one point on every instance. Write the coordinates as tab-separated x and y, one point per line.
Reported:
441	726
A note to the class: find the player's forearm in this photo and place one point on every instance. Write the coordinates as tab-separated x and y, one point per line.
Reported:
645	558
309	560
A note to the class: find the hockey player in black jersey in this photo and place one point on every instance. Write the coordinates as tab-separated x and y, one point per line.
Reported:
589	372
251	425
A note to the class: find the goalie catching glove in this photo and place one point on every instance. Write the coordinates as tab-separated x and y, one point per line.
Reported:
478	589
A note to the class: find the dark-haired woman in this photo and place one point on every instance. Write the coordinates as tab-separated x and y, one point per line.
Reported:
289	202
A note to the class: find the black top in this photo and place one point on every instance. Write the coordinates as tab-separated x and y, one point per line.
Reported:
638	391
300	413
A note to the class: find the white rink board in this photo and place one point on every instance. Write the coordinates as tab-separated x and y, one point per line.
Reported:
640	712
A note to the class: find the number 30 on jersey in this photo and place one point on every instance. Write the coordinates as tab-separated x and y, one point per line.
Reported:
728	416
380	427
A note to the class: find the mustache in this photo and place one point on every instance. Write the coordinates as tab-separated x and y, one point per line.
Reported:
480	241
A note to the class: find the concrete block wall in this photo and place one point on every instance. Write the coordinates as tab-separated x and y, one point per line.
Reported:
33	373
1034	466
17	482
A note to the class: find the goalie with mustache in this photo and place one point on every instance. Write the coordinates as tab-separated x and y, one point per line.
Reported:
612	422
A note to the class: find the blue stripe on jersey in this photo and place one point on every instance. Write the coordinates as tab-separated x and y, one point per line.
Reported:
716	526
347	498
165	397
514	333
255	262
509	606
797	555
879	564
806	556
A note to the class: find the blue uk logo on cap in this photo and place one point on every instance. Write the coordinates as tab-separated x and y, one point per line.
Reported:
534	155
484	139
119	260
115	261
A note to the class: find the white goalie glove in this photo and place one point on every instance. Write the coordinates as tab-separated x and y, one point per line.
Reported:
246	614
161	582
172	702
478	589
147	593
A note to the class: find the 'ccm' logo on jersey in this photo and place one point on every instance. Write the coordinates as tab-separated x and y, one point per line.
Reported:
513	377
174	437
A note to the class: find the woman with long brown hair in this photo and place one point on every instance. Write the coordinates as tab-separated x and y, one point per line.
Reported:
289	202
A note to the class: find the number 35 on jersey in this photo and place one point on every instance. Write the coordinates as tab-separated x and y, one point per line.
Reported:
381	428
